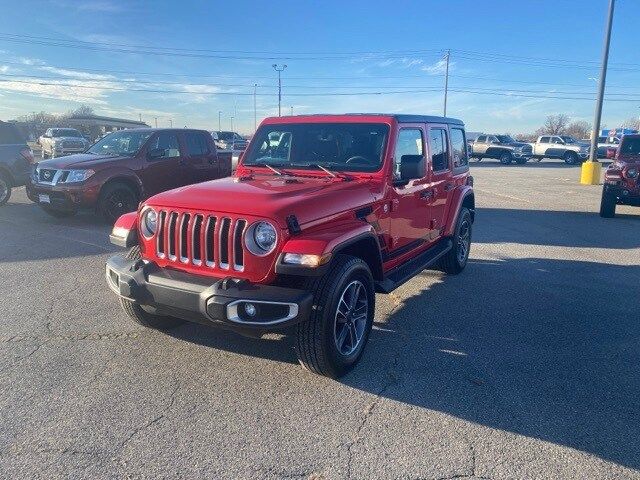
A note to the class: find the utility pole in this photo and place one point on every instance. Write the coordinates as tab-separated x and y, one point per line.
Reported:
590	174
232	124
292	110
171	123
255	115
446	80
156	119
279	69
140	115
219	120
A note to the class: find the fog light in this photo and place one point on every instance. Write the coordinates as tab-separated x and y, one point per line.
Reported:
250	309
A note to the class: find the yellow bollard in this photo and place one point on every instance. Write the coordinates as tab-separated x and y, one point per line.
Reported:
591	172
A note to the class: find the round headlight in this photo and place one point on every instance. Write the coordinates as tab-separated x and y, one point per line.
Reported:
632	172
261	238
149	223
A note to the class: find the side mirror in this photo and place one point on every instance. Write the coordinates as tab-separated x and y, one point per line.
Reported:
155	153
411	167
611	153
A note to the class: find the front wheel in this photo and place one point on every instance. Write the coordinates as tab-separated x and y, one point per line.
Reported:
455	259
506	158
332	340
115	200
607	204
140	315
5	189
571	158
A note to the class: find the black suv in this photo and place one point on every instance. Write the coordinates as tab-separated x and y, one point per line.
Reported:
16	160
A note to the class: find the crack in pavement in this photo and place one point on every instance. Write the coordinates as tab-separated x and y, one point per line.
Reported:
369	410
75	337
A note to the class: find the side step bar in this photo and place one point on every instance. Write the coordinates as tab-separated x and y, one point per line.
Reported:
410	269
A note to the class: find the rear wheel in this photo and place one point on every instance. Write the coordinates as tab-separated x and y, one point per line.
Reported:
506	158
332	340
456	259
608	204
115	200
571	158
5	188
141	316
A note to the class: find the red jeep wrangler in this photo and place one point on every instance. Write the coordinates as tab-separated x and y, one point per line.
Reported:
621	179
323	212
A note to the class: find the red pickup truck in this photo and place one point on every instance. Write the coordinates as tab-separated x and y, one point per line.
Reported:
323	212
125	167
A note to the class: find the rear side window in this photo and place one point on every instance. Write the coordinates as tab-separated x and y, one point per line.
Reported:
168	142
544	139
409	143
196	143
482	139
439	149
630	146
9	134
459	148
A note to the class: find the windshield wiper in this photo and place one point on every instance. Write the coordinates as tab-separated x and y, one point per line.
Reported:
263	164
324	169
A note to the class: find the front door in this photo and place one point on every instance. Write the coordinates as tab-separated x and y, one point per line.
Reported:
166	171
440	179
408	209
201	162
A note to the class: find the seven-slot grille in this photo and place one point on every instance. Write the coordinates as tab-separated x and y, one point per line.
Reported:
214	241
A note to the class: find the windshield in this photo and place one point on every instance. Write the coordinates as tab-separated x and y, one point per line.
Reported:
355	147
126	142
65	132
630	146
505	139
225	135
568	139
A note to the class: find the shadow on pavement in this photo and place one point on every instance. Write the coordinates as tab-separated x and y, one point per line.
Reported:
556	228
541	351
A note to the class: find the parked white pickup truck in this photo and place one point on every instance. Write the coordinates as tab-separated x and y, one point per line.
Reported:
565	147
57	142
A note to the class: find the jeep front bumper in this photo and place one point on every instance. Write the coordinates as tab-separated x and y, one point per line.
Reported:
232	303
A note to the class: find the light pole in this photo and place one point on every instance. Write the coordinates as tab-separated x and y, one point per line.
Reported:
219	120
292	110
232	124
171	123
446	81
279	69
156	119
591	170
255	115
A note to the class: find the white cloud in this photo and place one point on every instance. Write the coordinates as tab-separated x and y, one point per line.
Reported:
76	74
31	61
437	68
4	68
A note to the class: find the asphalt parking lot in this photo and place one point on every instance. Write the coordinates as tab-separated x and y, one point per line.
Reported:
523	366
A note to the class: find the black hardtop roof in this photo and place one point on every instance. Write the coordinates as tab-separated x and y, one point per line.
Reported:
160	129
410	118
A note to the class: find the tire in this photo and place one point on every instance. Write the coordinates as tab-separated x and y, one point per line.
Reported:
332	340
607	204
141	316
571	158
506	158
59	213
115	200
5	188
455	259
521	161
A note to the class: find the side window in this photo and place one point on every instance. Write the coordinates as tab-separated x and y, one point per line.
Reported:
196	144
409	145
482	139
168	142
439	149
458	146
544	139
555	140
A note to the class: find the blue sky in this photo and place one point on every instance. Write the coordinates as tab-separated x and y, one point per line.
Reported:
171	60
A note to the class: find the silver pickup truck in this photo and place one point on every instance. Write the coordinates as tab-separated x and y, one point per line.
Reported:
564	147
57	142
502	148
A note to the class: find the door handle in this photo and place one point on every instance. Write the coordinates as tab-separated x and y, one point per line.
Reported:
426	194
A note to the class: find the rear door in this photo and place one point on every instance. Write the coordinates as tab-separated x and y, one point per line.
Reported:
441	180
201	159
169	170
480	145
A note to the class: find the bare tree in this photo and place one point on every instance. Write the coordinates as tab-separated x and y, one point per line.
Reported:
578	129
633	122
554	125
